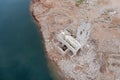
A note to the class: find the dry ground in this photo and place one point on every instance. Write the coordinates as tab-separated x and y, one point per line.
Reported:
100	57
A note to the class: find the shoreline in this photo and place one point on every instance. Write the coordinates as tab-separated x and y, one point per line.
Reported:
51	64
52	17
53	68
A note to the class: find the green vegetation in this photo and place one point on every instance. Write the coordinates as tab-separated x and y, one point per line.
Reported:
78	2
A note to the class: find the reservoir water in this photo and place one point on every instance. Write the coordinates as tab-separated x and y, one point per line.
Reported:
22	55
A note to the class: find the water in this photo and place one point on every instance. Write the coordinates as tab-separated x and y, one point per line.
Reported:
21	52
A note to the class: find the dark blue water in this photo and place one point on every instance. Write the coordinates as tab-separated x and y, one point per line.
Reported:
21	50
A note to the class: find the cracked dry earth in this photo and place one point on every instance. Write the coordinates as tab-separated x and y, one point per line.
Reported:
99	59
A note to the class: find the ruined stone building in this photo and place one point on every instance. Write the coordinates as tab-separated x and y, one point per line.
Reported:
72	40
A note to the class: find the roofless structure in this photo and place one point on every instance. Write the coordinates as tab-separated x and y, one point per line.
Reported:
72	40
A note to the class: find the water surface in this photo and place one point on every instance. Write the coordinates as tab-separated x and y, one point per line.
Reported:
21	51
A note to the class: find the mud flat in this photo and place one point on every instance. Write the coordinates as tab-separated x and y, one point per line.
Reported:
99	56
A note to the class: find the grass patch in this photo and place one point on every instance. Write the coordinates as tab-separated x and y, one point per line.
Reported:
78	2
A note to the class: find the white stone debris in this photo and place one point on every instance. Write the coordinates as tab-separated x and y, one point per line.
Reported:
81	67
107	13
91	2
